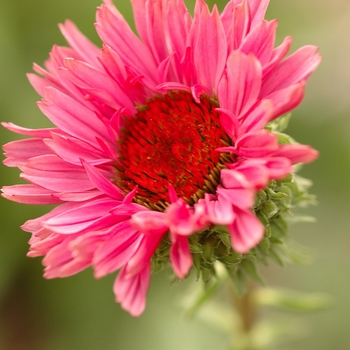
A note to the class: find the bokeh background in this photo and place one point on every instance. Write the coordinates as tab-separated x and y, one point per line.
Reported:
79	312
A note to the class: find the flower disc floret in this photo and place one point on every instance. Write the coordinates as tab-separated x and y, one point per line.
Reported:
172	140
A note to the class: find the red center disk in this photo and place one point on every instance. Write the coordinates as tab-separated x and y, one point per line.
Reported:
172	140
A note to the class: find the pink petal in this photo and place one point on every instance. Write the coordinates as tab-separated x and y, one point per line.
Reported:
41	133
278	167
72	150
169	69
297	153
77	196
177	16
258	10
210	47
59	261
219	210
29	194
239	86
116	33
150	222
173	86
227	20
40	247
53	173
79	43
131	291
20	151
83	217
239	197
277	54
182	219
246	231
199	90
113	65
180	256
255	172
292	70
242	23
286	99
97	84
121	243
257	118
257	144
143	255
233	179
103	184
260	41
35	225
72	117
39	83
172	194
158	36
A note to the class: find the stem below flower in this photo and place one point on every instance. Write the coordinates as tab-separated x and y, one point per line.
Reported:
247	314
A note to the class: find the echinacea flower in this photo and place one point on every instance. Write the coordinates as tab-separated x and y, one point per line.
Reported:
157	138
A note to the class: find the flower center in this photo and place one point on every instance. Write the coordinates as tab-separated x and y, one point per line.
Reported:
172	140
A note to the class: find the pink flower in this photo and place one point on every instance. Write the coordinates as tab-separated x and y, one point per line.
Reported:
157	135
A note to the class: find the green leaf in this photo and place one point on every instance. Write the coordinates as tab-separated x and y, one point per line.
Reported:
198	295
293	301
298	254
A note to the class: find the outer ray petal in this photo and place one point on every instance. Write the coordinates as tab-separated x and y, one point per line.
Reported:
131	291
292	70
180	256
239	86
210	48
246	231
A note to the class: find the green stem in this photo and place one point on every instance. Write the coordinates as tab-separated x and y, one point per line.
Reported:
247	312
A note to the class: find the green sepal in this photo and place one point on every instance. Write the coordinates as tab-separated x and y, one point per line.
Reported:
284	139
269	209
280	124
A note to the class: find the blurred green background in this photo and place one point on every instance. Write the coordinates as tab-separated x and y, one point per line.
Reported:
79	312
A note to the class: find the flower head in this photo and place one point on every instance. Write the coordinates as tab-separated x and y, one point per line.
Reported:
159	141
